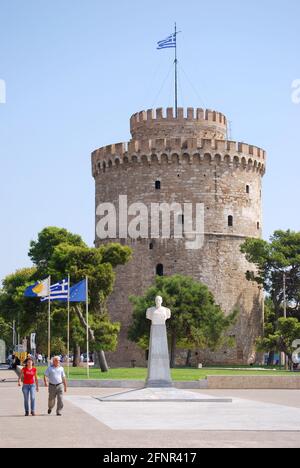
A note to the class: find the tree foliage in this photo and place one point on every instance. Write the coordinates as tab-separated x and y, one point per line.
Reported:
41	250
13	304
5	332
272	262
197	322
281	339
57	252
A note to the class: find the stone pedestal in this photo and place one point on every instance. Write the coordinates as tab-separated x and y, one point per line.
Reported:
159	383
158	365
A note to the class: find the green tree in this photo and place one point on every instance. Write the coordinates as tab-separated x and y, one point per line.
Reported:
79	261
281	339
5	332
41	250
13	304
29	314
197	322
57	252
273	261
270	325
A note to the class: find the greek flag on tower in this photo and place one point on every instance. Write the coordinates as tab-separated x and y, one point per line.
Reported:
168	43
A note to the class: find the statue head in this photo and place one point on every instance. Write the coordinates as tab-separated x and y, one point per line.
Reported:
158	301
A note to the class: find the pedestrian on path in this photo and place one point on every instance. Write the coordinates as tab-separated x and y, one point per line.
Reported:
56	378
29	378
16	362
29	356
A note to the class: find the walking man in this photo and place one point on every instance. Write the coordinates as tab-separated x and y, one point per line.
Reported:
55	376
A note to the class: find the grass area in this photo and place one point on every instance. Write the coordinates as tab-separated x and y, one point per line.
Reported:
179	374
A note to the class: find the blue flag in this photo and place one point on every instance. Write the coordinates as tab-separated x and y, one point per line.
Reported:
39	289
58	291
168	43
78	292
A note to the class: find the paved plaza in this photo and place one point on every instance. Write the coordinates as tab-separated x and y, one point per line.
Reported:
255	418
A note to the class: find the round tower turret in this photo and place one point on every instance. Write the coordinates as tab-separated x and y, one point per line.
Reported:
187	160
196	123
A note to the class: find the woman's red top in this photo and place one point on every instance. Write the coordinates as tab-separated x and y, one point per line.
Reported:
29	375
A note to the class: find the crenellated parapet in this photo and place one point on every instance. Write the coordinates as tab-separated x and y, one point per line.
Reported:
180	151
198	123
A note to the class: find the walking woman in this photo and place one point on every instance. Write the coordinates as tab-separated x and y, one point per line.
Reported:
30	385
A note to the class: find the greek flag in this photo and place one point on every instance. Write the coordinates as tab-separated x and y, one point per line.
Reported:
58	291
168	43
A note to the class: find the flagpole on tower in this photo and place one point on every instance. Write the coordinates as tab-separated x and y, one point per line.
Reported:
171	43
176	74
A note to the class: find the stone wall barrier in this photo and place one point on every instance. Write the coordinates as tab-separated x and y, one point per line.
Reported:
255	382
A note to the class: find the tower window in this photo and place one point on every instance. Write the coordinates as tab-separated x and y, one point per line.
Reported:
157	185
230	221
181	219
258	225
160	270
248	189
151	246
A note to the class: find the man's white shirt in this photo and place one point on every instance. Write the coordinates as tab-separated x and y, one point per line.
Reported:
55	375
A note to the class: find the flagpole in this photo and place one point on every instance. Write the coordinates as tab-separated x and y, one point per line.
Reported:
87	326
68	332
49	319
176	74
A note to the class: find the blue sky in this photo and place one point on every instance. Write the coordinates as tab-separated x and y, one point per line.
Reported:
75	71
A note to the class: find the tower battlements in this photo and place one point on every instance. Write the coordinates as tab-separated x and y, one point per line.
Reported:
198	123
179	149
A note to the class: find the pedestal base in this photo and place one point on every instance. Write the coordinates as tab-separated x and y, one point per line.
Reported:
159	365
159	384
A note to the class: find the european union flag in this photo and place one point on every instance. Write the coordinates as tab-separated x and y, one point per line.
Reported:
78	292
